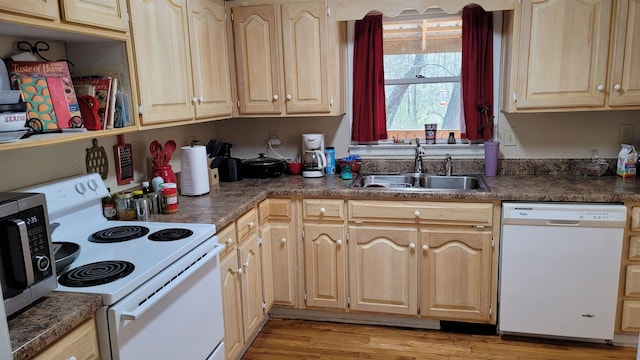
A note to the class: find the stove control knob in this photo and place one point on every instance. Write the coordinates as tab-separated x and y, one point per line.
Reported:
80	188
93	185
42	262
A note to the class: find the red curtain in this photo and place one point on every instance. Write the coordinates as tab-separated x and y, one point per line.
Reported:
369	114
477	72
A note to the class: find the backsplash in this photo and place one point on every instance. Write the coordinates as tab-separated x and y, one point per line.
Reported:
476	166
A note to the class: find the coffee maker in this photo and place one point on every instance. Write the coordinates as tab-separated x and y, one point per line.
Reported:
313	158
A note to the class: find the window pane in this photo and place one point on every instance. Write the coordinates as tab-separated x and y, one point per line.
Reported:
422	64
409	66
409	107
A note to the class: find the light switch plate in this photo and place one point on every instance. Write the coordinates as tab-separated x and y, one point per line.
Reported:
509	137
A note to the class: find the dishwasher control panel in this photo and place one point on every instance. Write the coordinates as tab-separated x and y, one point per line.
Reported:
565	212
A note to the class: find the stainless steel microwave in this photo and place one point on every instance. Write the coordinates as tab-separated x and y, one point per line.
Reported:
27	265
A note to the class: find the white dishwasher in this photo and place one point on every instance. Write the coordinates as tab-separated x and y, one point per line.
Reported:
559	269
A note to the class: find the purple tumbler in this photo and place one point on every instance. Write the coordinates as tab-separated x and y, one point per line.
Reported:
491	157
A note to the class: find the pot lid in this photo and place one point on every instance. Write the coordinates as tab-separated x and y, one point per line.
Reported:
262	160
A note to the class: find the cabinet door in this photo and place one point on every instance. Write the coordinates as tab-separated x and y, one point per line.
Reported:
37	8
252	305
258	63
306	51
267	259
283	249
383	269
455	271
110	14
232	306
161	41
209	59
325	265
563	58
625	75
80	343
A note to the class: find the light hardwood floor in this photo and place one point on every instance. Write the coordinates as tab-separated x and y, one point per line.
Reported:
297	339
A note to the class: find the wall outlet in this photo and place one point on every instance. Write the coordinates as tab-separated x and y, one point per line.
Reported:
274	138
625	135
509	137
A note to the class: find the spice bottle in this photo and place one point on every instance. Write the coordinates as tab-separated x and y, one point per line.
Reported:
169	198
109	209
126	207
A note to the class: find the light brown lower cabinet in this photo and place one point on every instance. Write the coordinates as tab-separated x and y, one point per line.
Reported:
81	343
430	259
243	303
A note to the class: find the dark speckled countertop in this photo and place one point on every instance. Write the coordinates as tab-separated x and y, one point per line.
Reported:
40	325
227	201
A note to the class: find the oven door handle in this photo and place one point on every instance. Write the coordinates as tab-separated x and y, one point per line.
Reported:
167	287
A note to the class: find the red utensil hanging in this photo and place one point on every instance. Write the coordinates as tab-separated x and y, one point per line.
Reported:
123	157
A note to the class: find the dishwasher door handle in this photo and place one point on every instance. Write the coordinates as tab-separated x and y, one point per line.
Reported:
563	222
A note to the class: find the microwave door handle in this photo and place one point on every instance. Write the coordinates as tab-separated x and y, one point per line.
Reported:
26	251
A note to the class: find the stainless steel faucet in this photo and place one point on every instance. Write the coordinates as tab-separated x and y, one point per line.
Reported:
447	170
418	158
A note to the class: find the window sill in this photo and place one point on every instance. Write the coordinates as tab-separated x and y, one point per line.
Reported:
438	150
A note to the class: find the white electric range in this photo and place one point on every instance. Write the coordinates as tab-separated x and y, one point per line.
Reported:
159	281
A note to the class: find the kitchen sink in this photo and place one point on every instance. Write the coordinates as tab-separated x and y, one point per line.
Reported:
420	182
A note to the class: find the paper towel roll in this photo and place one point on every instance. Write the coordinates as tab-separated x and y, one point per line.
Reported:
194	170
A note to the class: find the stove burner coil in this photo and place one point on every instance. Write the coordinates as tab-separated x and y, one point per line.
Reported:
119	233
170	234
96	273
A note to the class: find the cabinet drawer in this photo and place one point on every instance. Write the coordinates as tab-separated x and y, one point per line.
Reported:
630	316
634	247
247	224
635	218
457	213
274	209
322	209
632	282
227	237
80	343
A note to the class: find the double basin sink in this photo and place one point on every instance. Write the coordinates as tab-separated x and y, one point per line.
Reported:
421	182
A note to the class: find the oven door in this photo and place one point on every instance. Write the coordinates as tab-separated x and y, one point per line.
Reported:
175	315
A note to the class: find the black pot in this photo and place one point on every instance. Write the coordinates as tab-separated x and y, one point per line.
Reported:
229	170
263	167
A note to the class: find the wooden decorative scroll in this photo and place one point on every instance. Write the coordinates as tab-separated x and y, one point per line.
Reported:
357	9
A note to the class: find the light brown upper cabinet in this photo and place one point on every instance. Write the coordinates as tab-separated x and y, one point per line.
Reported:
568	55
37	8
182	60
284	64
110	14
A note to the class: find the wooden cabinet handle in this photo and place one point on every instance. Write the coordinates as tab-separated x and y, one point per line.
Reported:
617	87
412	246
283	240
194	100
275	97
425	247
600	87
323	210
239	271
339	242
417	213
289	97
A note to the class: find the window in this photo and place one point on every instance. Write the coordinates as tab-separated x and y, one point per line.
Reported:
422	62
